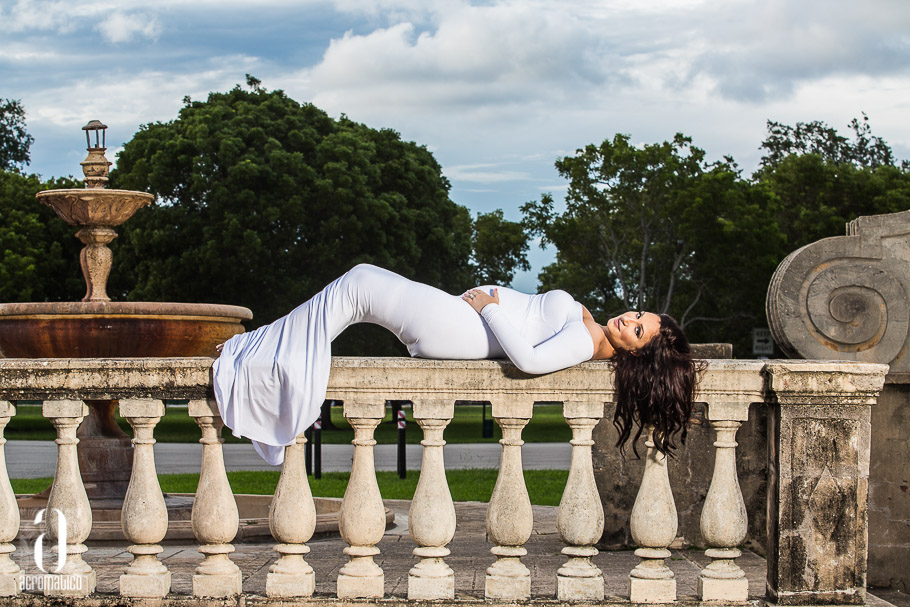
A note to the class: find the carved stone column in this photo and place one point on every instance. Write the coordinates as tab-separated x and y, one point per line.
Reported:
847	297
431	519
292	521
510	520
144	517
9	514
819	435
67	505
653	524
215	517
581	516
362	517
724	517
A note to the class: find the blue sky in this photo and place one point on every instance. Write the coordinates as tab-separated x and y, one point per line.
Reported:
496	90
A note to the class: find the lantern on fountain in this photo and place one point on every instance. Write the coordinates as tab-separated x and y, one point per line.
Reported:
96	166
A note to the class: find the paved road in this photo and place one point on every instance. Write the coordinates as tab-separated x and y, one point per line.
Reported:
35	459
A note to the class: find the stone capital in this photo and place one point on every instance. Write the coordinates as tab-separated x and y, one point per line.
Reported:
824	383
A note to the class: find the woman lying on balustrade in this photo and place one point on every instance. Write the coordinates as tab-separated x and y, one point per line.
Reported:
270	383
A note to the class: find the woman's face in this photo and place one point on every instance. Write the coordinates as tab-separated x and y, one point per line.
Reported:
632	330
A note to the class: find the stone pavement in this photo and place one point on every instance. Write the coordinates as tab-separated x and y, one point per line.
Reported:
469	559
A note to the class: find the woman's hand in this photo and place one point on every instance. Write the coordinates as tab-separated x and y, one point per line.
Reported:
478	299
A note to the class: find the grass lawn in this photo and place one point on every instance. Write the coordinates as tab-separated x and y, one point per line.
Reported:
547	426
545	487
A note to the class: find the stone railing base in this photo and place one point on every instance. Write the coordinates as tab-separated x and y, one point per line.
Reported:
249	600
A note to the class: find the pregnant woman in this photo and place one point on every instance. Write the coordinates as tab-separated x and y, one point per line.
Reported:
270	383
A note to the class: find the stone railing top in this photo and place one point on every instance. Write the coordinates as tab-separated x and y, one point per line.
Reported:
818	382
724	383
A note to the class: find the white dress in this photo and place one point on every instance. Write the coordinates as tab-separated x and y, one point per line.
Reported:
270	383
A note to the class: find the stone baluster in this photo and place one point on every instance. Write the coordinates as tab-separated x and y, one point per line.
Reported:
214	517
68	515
509	516
724	518
431	519
361	521
292	521
9	514
144	517
580	520
653	523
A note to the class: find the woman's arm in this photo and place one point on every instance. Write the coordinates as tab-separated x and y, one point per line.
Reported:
570	346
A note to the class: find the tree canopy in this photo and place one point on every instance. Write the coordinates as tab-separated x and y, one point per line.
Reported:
499	248
654	227
262	201
817	138
822	180
14	139
39	254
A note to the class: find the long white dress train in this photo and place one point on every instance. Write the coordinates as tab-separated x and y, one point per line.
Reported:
270	383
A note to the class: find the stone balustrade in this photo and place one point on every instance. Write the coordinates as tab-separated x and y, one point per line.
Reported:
818	462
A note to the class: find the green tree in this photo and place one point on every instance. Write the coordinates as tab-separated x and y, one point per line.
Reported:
654	227
39	255
499	248
263	200
14	139
618	234
818	139
823	180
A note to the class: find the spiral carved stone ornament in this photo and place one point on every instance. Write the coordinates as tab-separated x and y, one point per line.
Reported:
846	297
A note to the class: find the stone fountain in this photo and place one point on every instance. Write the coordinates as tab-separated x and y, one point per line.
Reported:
97	327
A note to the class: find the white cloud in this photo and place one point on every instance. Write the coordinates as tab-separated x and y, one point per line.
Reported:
481	173
61	16
67	16
123	100
474	56
507	84
122	27
761	50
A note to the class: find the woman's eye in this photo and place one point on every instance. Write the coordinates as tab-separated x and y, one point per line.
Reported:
638	332
639	314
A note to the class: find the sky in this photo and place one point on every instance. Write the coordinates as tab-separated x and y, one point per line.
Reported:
497	90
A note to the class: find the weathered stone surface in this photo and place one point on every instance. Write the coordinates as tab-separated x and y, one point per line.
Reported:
819	432
510	518
690	477
716	350
846	297
827	391
889	489
431	518
361	521
731	386
723	591
9	514
652	591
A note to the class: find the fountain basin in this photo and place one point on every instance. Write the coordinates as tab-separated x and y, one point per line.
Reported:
94	206
116	329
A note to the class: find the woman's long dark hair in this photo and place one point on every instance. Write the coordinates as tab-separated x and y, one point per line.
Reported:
654	387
